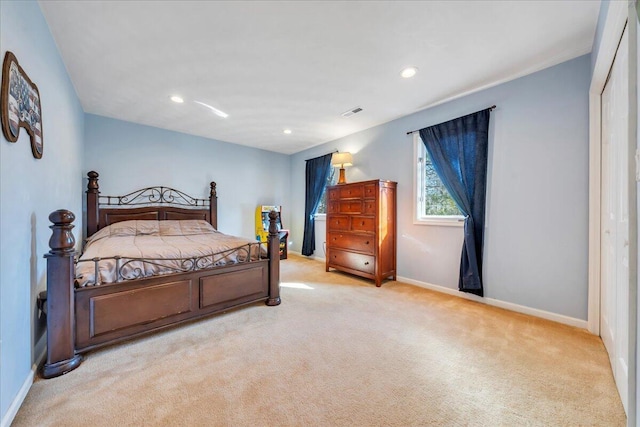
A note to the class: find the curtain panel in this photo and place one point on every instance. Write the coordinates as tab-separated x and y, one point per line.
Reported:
459	150
316	175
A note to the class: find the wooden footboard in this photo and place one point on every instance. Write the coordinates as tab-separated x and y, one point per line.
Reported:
82	319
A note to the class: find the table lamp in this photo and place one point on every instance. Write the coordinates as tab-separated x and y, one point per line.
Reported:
341	160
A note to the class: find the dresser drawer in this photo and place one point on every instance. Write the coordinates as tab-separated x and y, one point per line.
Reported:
349	206
370	190
334	194
351	192
369	207
338	222
356	242
354	261
363	223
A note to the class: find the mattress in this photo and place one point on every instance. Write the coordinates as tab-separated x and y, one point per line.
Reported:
136	249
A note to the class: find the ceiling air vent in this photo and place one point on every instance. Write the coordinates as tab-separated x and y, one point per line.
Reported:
351	112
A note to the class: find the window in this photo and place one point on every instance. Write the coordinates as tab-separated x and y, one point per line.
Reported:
322	207
433	204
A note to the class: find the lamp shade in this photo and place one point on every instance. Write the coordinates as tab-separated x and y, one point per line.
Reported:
341	159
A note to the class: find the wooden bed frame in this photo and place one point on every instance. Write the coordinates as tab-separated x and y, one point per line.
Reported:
80	319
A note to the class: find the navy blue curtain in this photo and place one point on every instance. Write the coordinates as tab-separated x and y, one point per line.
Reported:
316	174
458	150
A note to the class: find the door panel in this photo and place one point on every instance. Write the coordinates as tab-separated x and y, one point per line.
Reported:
614	279
607	238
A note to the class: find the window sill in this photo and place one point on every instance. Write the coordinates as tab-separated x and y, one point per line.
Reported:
441	222
320	217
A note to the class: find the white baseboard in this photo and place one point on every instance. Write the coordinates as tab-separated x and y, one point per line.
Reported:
571	321
312	257
7	419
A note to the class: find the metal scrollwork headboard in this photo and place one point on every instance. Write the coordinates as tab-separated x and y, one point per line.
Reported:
158	202
154	196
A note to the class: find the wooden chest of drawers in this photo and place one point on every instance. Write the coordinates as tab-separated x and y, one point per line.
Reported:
361	229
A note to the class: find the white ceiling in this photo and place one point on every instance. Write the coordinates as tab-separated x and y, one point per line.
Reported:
274	65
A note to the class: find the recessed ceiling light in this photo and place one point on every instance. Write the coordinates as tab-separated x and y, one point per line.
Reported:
409	72
176	98
287	131
215	110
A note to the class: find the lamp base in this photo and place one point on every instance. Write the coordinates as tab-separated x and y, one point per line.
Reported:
342	179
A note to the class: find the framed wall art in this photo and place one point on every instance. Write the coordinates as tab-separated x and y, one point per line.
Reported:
20	107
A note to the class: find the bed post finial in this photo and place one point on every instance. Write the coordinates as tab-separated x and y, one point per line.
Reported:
62	240
93	191
213	205
61	355
93	180
274	260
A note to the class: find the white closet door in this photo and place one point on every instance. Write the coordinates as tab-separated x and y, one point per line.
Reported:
614	280
608	226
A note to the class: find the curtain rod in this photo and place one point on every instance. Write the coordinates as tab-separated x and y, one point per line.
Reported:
418	130
334	151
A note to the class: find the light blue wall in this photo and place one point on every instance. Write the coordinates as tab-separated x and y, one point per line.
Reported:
30	189
536	224
129	156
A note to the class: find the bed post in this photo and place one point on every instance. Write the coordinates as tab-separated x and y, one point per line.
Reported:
273	243
92	203
61	354
213	206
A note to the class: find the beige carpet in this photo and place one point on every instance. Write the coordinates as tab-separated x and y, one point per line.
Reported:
340	352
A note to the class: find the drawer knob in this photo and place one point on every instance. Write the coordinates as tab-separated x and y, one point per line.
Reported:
367	242
366	263
362	223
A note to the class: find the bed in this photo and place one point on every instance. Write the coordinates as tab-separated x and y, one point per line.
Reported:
104	297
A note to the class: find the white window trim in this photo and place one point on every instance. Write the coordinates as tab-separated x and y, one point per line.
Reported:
418	179
320	217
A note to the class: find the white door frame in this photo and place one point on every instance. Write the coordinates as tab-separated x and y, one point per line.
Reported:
612	31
